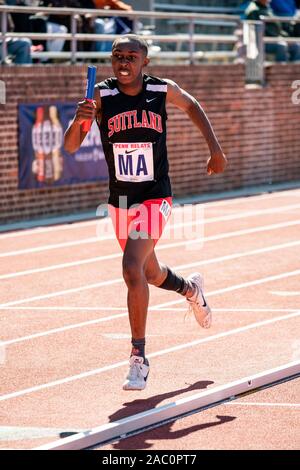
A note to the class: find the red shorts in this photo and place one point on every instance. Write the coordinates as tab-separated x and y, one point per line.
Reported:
145	220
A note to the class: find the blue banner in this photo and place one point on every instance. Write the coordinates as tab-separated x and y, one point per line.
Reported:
43	162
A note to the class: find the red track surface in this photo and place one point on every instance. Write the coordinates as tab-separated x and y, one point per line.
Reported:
52	377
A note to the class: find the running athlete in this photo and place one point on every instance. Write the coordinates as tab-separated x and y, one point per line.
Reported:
130	110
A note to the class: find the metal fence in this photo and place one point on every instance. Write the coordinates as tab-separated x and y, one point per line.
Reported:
248	35
190	38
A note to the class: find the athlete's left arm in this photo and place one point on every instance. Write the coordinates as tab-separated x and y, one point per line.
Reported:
186	102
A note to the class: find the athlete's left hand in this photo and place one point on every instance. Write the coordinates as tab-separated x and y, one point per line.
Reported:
216	163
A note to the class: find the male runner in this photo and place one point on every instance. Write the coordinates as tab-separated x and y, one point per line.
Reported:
130	111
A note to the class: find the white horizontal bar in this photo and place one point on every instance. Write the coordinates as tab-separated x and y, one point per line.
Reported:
138	422
151	54
103	12
278	405
274	40
199	38
286	19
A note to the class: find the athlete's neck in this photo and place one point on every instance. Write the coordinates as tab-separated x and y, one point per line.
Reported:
133	88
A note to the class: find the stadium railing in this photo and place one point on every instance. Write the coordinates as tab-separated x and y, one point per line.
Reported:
197	9
252	34
190	38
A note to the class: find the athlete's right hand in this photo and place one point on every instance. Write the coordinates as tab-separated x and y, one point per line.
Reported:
86	111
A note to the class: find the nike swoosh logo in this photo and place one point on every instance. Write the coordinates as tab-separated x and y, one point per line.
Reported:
130	151
149	101
145	372
145	378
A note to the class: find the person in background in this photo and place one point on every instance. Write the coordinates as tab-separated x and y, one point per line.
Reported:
284	7
288	8
19	50
112	25
283	51
62	23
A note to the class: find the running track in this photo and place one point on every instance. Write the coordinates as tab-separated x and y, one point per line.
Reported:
65	334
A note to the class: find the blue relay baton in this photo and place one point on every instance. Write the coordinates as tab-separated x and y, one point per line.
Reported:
89	92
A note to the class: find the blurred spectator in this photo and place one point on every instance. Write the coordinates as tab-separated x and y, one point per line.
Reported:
287	8
284	7
37	23
112	25
84	23
62	23
282	50
19	50
28	22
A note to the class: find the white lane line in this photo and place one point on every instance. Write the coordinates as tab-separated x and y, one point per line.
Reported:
63	328
55	267
116	365
63	292
120	280
241	215
220	259
60	266
40	230
224	309
17	433
237	233
275	277
159	306
97	259
80	224
285	293
67	308
49	247
249	403
171	309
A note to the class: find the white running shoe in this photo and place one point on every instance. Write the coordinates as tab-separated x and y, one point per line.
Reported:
197	302
137	375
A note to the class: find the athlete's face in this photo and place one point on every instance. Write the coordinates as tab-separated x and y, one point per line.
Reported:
127	62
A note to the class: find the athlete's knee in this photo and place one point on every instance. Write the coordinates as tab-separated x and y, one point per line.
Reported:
133	272
152	278
155	273
156	276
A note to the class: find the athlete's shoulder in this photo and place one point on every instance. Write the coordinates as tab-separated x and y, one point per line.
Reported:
108	87
167	83
153	79
155	83
107	83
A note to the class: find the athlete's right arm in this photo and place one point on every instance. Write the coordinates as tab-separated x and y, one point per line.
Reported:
86	110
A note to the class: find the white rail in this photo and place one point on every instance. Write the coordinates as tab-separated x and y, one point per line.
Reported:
191	38
157	416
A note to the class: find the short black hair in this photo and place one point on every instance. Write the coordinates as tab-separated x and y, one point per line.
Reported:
132	38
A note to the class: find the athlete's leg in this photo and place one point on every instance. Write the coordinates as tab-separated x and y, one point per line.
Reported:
155	272
160	275
135	255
